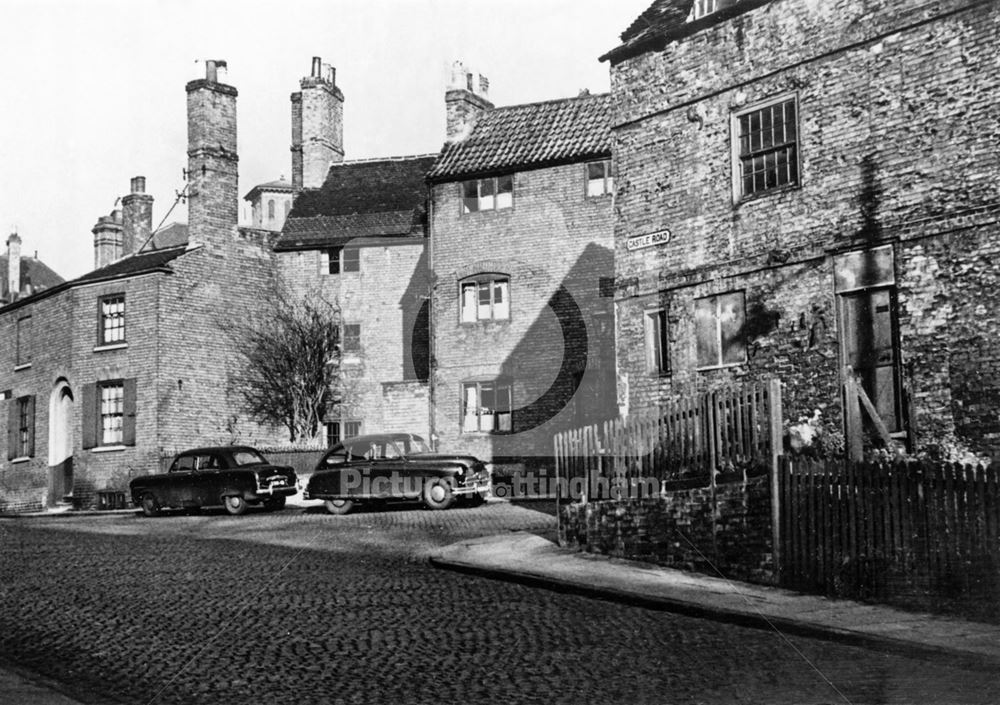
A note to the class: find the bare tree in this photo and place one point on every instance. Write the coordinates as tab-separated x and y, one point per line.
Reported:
289	360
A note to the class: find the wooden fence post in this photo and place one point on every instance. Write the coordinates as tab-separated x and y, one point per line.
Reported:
852	418
776	419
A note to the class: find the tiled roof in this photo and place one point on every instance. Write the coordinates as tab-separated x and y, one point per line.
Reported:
530	136
279	185
370	198
169	236
151	261
666	20
35	276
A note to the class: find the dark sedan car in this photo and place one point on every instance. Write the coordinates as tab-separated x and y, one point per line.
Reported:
233	476
395	466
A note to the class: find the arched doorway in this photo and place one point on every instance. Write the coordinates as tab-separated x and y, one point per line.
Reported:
60	442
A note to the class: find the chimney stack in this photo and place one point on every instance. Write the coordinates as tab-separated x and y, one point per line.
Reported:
465	99
212	190
13	266
317	126
137	217
107	239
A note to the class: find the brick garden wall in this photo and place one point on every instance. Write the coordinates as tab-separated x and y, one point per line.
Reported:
897	125
728	532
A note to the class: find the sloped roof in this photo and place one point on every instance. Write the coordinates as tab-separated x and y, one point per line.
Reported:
666	20
531	135
148	261
35	276
360	199
279	185
170	235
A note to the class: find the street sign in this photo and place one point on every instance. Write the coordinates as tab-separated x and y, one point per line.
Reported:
660	237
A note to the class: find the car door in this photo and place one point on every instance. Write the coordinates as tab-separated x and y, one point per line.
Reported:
356	478
208	478
179	490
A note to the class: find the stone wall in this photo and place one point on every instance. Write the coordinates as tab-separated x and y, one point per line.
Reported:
727	531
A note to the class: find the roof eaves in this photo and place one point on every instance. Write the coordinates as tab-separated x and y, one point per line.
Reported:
579	158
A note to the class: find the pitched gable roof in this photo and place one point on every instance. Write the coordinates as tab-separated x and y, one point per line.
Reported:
666	20
35	276
531	135
360	199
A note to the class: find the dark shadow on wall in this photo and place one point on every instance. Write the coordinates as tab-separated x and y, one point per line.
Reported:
415	306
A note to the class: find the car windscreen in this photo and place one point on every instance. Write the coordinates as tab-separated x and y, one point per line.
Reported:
413	445
248	457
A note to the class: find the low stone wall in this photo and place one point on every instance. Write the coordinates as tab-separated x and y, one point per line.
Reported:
726	530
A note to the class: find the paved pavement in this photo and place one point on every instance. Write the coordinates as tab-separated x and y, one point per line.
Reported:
534	560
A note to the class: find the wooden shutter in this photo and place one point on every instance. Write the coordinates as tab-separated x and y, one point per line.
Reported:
30	450
128	407
90	415
11	429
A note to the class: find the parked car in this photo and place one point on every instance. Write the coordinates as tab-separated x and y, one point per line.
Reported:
395	466
233	476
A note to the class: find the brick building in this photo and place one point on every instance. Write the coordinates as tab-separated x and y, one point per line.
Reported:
105	373
521	233
809	190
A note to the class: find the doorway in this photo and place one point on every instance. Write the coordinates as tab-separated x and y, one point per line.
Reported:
60	487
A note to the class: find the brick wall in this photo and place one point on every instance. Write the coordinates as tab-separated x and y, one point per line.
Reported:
896	116
727	531
555	245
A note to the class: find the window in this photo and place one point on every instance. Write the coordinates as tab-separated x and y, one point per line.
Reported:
599	178
21	428
488	194
270	209
109	412
112	322
765	148
702	8
656	342
719	329
486	407
342	259
351	338
332	433
23	353
485	298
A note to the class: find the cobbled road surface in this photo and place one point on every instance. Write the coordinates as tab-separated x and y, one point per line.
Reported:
299	606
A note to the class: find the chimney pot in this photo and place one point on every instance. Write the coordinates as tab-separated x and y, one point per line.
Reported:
139	184
211	73
317	67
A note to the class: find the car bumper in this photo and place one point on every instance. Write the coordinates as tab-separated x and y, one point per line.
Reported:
269	492
477	486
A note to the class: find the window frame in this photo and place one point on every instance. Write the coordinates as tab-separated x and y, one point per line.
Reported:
608	179
656	340
491	280
495	183
498	384
21	428
104	317
737	157
720	361
703	8
102	430
355	348
339	263
23	342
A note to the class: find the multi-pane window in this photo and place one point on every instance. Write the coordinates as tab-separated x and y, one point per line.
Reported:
488	194
112	321
765	150
24	430
485	298
23	354
486	407
112	412
599	178
332	429
703	7
719	322
657	361
342	259
352	429
352	338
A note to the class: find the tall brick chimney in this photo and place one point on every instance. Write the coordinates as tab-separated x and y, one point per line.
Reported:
13	265
137	217
213	198
465	100
317	126
107	239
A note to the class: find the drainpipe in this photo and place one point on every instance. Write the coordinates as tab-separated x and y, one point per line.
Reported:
432	360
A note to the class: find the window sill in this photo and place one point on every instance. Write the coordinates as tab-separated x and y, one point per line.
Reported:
24	366
485	322
22	459
721	367
108	449
114	346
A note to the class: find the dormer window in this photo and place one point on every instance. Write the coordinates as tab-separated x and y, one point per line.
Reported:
701	8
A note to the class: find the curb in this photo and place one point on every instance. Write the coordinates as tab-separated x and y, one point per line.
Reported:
71	513
898	647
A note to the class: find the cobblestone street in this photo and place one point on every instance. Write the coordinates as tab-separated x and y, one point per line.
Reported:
302	607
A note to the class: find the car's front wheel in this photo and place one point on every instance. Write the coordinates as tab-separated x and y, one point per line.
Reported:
438	494
273	504
150	507
339	506
235	504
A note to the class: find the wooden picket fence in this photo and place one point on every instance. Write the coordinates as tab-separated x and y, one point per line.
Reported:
908	532
691	439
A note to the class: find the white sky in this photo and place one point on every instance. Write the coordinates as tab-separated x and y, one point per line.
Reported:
93	90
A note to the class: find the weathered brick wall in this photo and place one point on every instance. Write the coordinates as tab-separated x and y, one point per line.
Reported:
728	532
387	297
896	118
555	245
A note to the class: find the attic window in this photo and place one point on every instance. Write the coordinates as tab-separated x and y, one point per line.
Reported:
488	194
700	8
